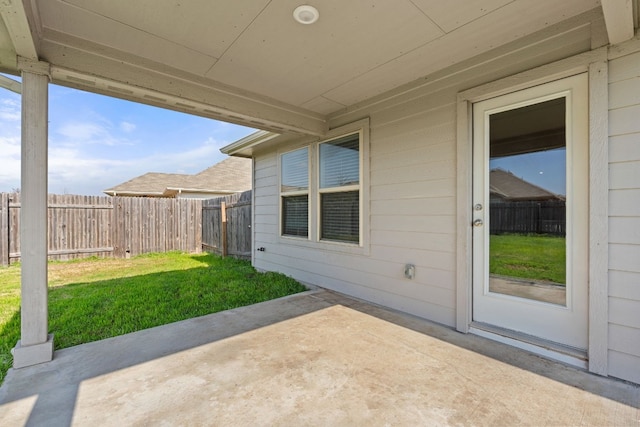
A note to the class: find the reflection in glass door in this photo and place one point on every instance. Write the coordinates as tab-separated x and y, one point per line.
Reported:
527	193
530	204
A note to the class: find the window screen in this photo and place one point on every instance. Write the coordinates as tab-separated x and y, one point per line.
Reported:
340	216
295	215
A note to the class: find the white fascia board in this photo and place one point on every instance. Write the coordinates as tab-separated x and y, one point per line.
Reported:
618	17
199	190
15	19
243	147
132	193
193	98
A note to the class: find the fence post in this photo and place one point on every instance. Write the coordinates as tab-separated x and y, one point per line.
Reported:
4	229
118	227
223	228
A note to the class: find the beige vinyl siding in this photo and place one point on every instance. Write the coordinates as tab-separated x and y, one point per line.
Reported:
624	217
265	193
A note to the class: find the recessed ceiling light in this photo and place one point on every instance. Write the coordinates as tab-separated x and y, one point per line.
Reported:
306	14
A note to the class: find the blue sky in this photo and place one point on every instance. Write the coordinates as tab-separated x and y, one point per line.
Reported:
96	142
545	169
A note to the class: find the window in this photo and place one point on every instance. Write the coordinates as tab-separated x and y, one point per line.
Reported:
324	191
294	193
339	189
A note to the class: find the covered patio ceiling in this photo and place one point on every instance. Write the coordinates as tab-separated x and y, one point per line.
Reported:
251	63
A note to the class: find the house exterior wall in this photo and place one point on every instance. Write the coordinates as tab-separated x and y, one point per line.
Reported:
412	216
624	217
412	182
412	203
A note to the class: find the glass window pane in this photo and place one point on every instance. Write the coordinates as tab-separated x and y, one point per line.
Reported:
295	171
340	214
527	192
295	216
340	162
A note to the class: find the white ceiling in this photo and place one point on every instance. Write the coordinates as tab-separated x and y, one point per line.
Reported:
255	50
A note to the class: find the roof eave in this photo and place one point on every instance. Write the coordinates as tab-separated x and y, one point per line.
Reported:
133	193
244	147
177	190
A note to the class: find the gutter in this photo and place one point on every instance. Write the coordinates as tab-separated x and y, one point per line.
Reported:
132	193
172	191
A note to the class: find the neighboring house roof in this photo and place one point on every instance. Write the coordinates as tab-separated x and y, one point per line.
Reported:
232	175
506	185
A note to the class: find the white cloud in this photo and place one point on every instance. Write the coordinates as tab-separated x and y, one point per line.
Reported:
77	171
72	171
193	160
9	142
9	110
95	130
77	133
10	161
81	130
89	153
127	127
9	116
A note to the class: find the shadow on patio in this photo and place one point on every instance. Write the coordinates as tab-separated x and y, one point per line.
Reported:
316	358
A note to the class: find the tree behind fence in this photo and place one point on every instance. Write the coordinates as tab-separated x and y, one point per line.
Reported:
81	226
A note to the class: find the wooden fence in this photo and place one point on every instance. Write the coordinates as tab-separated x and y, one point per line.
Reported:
226	225
81	226
543	217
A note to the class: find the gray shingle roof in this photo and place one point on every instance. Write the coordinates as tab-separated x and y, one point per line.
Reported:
228	176
509	187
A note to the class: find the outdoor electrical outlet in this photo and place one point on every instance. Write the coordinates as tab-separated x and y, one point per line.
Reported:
409	271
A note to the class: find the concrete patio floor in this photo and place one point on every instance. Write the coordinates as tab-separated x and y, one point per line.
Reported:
316	358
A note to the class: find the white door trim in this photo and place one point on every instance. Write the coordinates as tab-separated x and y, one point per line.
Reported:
595	63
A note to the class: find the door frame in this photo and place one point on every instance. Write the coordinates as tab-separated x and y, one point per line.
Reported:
595	64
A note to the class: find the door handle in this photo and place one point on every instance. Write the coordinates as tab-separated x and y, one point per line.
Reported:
477	222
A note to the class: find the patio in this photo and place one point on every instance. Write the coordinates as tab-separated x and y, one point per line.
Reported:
317	358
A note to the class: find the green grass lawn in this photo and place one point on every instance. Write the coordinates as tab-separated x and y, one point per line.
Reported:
93	299
528	256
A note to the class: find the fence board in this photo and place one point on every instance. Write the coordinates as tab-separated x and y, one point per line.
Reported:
4	229
237	229
536	217
81	226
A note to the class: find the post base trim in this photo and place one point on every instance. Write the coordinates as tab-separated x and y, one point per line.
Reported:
32	354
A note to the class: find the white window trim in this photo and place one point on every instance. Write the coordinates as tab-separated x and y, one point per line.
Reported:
313	240
595	63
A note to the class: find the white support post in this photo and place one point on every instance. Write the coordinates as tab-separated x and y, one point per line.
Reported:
36	344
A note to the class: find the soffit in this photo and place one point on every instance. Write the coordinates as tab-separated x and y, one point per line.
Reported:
356	50
7	51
